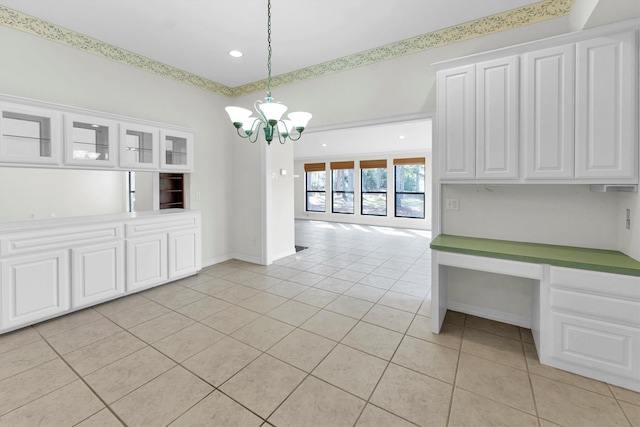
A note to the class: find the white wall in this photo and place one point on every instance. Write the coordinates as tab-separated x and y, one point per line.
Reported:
280	201
569	215
39	69
356	218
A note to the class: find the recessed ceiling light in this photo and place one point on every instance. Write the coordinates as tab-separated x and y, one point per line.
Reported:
401	137
235	53
324	145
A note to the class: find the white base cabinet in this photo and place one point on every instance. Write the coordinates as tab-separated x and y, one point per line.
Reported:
52	267
591	325
34	287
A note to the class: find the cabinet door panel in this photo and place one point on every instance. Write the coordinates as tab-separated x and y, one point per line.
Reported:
456	123
597	345
184	253
34	287
90	141
138	146
548	113
606	92
176	151
497	119
146	261
98	273
30	135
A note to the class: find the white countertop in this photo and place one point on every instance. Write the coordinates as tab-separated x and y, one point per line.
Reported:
91	219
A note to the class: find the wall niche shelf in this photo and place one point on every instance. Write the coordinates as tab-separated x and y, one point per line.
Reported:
171	191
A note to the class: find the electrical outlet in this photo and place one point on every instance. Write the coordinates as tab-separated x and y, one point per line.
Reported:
628	223
451	204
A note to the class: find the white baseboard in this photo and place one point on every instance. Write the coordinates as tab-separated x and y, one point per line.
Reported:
499	316
216	260
284	254
246	258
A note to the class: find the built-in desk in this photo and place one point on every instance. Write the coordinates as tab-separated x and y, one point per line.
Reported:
585	305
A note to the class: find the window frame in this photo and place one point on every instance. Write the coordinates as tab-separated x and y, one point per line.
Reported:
374	164
335	166
419	161
314	168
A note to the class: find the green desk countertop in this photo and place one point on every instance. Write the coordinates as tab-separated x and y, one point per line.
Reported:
561	256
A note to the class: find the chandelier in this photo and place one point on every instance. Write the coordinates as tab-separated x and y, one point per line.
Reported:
269	111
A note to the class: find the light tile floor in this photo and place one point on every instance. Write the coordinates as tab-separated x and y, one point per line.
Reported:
337	335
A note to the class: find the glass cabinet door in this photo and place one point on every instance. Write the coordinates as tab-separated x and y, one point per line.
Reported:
29	135
138	146
90	141
177	150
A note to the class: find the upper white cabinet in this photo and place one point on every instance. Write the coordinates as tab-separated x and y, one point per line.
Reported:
29	135
456	122
138	146
605	114
478	120
176	150
577	101
90	141
548	113
497	119
39	134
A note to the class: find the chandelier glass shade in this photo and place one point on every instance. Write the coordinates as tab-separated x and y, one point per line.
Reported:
269	112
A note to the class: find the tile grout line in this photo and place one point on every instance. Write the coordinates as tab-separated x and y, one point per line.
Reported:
107	406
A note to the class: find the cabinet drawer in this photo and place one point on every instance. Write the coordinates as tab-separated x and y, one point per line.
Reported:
593	344
614	285
601	307
139	228
53	238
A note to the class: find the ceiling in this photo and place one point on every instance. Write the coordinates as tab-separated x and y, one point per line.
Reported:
196	35
399	137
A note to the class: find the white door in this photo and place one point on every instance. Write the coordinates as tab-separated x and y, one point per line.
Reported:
548	111
146	261
34	287
456	123
606	113
497	91
184	253
98	273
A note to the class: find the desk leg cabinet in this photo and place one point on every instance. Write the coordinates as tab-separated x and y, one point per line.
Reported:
591	325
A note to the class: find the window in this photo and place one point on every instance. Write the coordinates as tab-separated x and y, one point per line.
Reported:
132	191
373	184
409	176
342	186
316	177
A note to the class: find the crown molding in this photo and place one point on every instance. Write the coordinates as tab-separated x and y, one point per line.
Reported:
526	15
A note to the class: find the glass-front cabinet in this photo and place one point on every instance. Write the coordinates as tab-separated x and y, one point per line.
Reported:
29	135
138	146
90	141
176	150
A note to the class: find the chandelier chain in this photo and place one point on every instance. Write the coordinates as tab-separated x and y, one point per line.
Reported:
269	47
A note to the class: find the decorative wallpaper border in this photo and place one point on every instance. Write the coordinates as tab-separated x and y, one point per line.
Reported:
531	14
